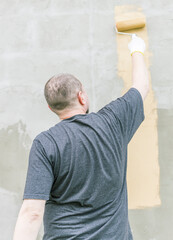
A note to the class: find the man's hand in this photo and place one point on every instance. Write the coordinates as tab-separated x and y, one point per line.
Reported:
137	44
29	219
139	71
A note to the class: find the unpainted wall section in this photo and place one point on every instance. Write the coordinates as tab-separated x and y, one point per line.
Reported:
42	38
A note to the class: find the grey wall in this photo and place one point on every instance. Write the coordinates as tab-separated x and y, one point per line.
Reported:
42	38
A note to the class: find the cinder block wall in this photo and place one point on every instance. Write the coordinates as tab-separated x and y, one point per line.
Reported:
42	38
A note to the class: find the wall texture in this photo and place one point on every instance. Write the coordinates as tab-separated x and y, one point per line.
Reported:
45	37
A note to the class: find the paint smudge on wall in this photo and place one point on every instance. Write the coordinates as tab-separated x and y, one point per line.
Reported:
143	167
14	147
25	103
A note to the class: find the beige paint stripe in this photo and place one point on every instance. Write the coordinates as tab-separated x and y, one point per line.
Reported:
143	166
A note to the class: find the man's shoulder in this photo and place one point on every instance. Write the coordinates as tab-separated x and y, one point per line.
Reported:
49	134
58	132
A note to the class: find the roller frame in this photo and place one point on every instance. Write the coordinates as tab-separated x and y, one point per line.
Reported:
122	33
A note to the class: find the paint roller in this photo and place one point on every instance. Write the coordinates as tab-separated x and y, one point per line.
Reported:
129	24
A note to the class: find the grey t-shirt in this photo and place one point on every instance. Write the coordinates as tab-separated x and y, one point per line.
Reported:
79	167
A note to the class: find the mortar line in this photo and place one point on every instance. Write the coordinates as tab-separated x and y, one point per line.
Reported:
91	30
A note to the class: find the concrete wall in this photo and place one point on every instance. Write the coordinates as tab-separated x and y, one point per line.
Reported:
42	38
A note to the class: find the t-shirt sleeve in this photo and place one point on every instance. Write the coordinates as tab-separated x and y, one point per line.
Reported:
40	174
127	111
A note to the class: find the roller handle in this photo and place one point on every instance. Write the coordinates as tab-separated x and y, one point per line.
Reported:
122	33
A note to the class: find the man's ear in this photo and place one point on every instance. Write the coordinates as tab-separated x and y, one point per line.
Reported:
81	98
50	108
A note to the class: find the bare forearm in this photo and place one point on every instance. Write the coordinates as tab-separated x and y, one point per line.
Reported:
29	220
27	228
139	74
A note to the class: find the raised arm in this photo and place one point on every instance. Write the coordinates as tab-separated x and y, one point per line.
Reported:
139	71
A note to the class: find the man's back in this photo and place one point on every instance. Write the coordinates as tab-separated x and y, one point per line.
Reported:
78	168
82	172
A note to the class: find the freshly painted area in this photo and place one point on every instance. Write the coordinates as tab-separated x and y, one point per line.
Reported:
143	168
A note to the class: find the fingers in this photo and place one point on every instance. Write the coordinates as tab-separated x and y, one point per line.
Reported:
137	44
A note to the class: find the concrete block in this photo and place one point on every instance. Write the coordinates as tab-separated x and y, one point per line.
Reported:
164	97
107	84
103	30
63	32
14	143
37	68
9	208
160	67
160	44
35	7
19	7
103	5
162	30
3	67
16	34
69	5
32	7
6	10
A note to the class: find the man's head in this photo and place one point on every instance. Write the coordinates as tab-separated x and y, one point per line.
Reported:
64	94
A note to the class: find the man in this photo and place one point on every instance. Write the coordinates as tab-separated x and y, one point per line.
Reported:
77	169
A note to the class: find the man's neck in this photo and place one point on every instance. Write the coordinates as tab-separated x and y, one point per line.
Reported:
70	114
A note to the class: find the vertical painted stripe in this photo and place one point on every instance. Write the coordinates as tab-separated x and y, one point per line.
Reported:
143	167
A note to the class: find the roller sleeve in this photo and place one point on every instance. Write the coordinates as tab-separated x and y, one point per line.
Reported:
130	24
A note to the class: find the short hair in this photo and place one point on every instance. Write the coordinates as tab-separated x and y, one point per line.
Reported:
61	91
